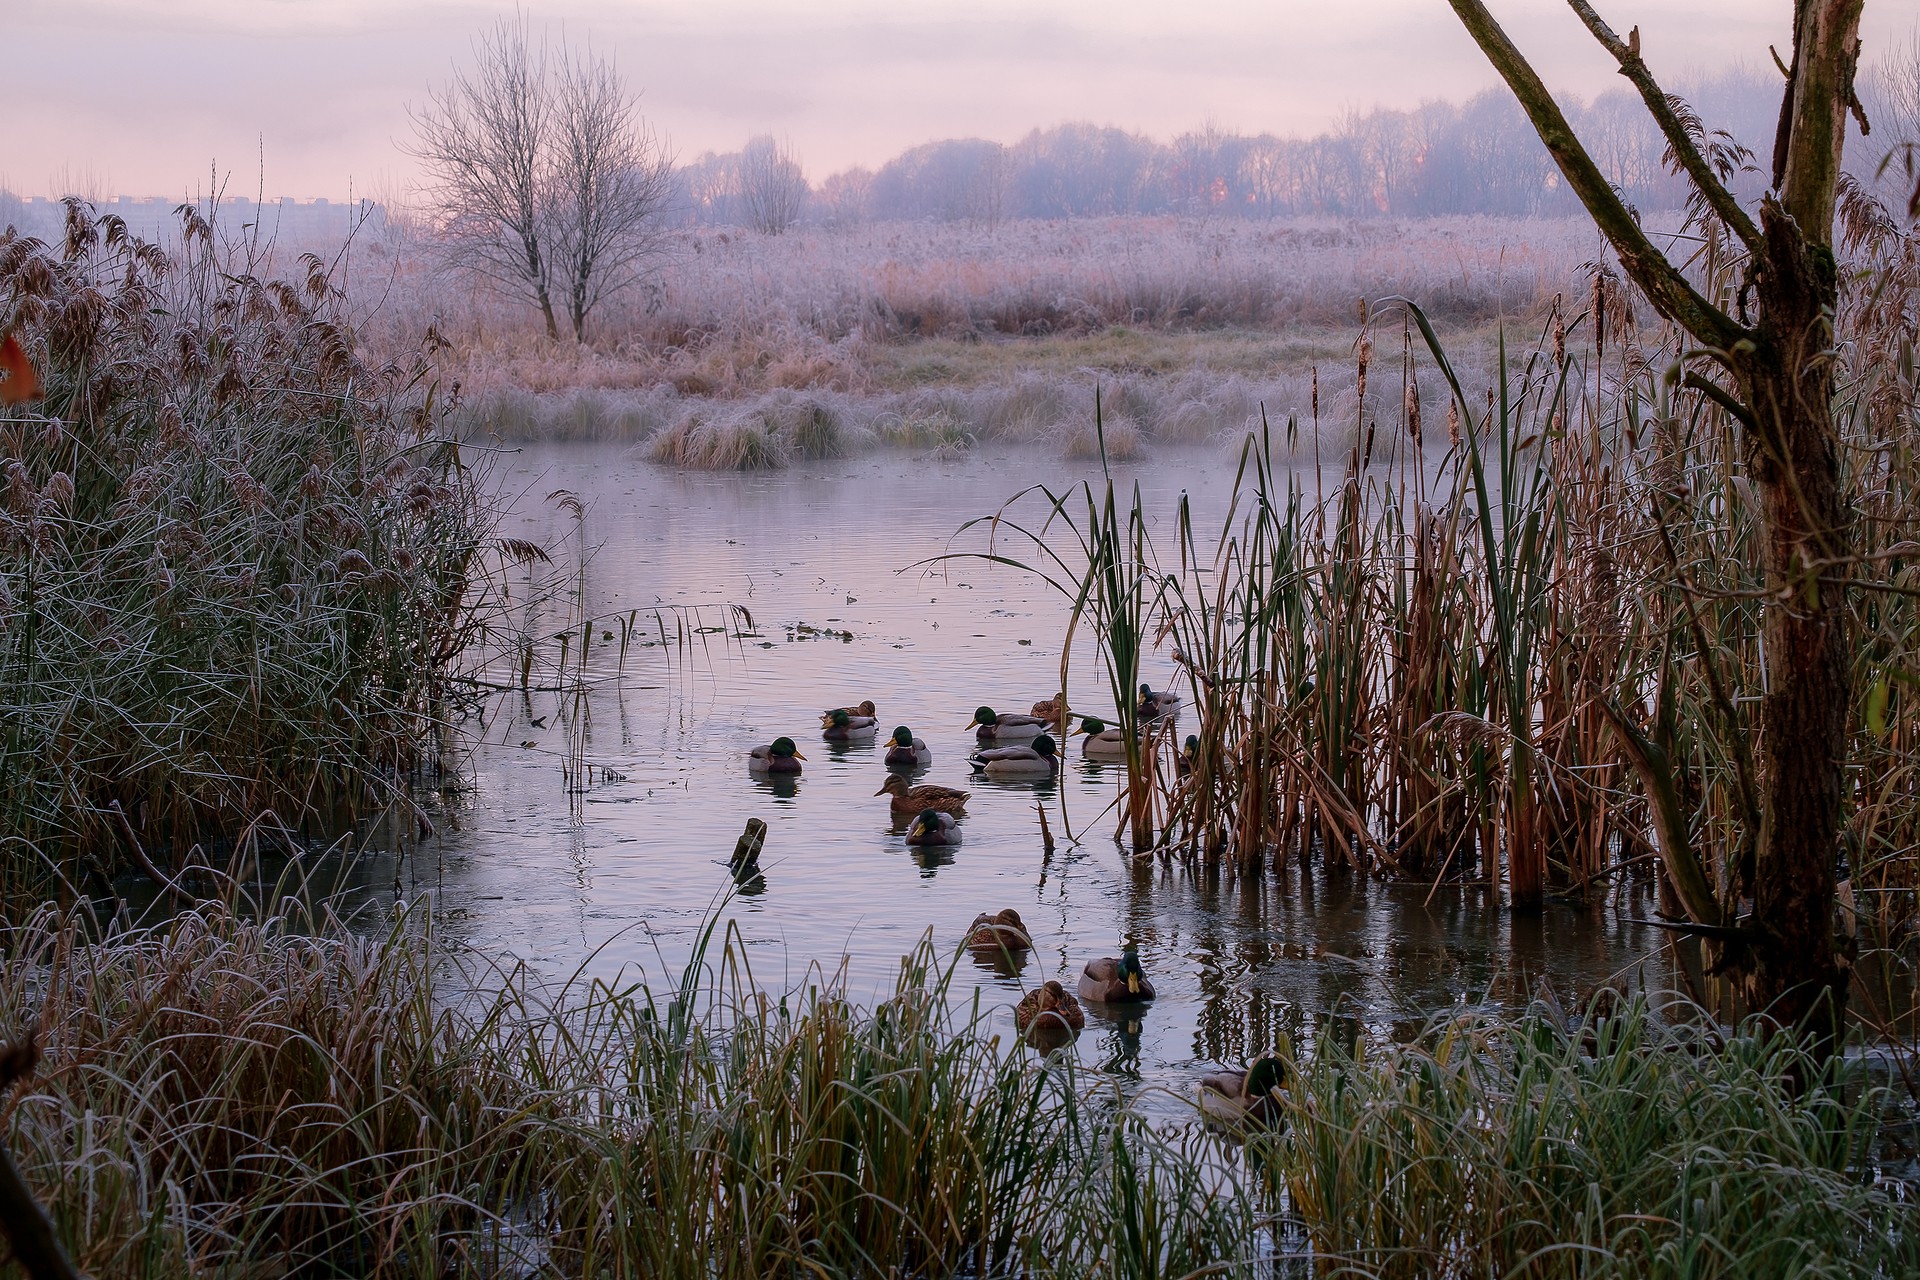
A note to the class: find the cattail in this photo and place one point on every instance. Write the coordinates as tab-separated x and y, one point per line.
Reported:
1599	315
1413	411
1366	358
1453	423
1316	395
1559	335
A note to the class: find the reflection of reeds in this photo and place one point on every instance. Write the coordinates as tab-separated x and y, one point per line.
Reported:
224	1095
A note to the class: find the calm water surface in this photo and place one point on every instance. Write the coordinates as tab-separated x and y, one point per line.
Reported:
622	878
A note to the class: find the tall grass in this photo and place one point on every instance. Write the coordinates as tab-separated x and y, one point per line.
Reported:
241	561
221	1096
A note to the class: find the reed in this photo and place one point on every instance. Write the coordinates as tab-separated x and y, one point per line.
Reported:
242	566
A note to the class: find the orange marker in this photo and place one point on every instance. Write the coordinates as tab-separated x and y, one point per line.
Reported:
21	383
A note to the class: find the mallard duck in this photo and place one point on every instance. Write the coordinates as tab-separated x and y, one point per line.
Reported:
1154	706
1053	712
908	801
845	727
904	751
1189	756
1103	743
930	826
1116	980
864	710
1036	759
1255	1096
1048	1007
1004	930
778	756
990	728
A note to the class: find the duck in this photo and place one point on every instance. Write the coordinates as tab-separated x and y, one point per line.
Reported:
1048	1008
1116	980
1156	706
1255	1096
864	710
1004	930
1052	711
1103	743
843	726
904	751
908	801
991	729
931	826
1036	759
1189	756
778	756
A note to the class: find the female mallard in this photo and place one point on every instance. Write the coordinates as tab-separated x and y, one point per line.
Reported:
778	756
1103	743
1003	931
843	726
865	709
1116	980
930	826
904	751
990	729
1048	1008
1256	1096
1053	712
1036	759
1155	706
908	801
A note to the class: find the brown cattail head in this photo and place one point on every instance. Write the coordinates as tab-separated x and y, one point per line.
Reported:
1453	423
1559	335
1599	315
1316	395
1366	358
1413	411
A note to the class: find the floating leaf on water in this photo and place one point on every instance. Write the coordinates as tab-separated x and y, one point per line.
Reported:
707	631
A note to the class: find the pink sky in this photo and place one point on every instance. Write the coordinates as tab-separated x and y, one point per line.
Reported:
144	97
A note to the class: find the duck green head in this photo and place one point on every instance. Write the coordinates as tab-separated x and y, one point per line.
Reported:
1266	1075
1129	970
902	736
984	716
839	717
1043	745
783	747
1093	726
927	821
1146	690
1193	744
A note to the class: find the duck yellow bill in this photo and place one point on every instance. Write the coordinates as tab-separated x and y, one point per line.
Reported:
797	755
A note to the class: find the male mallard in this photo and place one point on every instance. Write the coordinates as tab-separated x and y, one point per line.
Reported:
1256	1096
842	726
908	801
1003	931
992	729
1103	743
1154	706
1036	759
1116	980
778	756
1048	1007
931	826
865	709
1189	756
904	751
1051	712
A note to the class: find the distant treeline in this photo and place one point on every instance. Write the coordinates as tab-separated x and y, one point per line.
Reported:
1480	157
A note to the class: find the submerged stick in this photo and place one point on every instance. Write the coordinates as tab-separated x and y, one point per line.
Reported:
1046	835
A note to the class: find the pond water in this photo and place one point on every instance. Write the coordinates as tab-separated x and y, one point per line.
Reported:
621	878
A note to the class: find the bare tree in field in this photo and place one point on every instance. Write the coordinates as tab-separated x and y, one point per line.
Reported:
485	139
542	176
772	188
1772	369
612	180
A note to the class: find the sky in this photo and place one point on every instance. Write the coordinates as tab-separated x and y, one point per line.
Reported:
309	98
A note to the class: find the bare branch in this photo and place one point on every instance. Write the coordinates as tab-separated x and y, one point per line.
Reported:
1634	68
1663	283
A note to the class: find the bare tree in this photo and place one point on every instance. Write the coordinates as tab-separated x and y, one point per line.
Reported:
485	140
611	182
544	178
773	190
1773	371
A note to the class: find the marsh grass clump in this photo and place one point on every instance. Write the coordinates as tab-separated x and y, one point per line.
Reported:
219	1095
738	441
240	559
1120	440
936	432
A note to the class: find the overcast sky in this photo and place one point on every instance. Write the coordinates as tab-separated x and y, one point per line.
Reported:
146	96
